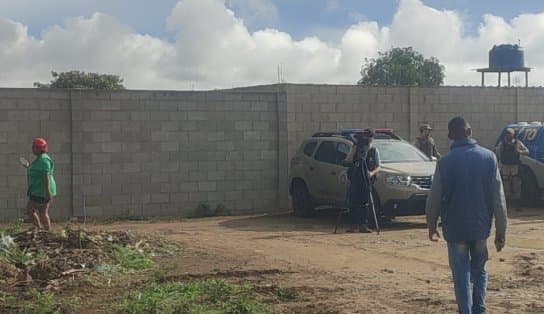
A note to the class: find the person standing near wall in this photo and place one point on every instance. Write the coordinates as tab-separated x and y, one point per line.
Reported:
509	152
467	192
359	190
41	185
425	142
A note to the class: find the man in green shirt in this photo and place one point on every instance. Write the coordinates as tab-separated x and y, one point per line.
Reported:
41	185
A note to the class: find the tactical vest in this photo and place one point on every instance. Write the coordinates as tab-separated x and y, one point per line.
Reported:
509	154
371	161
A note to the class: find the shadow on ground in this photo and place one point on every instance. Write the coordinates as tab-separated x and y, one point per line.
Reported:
324	221
525	213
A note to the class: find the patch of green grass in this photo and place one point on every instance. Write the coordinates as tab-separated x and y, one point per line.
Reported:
130	258
210	296
35	301
32	301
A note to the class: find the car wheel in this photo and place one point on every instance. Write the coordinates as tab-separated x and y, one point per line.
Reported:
530	193
302	205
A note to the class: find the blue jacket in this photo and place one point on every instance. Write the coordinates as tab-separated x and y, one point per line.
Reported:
467	191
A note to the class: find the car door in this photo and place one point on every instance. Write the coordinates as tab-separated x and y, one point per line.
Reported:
327	171
339	188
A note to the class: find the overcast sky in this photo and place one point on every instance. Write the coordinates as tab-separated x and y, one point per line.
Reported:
203	44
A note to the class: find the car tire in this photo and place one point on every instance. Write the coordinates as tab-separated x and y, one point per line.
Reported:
530	192
302	204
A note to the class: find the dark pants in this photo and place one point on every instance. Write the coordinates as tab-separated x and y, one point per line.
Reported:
358	199
358	214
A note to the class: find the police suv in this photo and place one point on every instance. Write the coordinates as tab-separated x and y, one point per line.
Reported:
531	168
400	189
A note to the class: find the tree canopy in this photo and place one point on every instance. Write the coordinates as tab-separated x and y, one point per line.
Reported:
402	66
78	79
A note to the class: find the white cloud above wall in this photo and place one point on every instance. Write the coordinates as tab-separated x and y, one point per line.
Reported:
213	48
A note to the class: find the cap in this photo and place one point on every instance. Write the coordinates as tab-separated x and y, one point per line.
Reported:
425	127
510	130
40	143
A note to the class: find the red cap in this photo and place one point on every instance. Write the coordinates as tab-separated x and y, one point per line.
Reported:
40	144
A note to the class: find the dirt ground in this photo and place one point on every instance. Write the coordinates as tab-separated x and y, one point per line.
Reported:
398	271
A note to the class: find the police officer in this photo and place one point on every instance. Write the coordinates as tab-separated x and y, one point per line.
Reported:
509	152
359	190
425	142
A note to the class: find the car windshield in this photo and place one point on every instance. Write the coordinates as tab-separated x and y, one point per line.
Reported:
397	151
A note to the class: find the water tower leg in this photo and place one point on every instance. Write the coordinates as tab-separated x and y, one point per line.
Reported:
483	83
499	85
508	79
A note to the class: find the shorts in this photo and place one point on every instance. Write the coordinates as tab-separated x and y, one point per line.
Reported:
38	199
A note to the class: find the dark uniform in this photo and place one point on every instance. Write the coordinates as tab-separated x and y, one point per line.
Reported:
359	190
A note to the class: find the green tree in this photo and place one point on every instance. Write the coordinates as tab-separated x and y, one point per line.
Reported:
402	66
78	79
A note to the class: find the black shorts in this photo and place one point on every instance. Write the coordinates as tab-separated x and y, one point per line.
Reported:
38	199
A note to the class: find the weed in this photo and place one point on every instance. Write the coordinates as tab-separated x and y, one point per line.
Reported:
221	210
204	210
159	275
43	302
16	256
130	258
285	294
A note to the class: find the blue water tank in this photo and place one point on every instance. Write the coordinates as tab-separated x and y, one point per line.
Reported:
506	57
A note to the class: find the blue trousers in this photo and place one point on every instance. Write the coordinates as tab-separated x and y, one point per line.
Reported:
467	262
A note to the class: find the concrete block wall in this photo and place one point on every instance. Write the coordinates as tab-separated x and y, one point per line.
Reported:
487	109
313	108
24	115
161	153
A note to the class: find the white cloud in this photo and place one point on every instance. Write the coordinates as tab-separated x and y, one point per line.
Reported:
213	48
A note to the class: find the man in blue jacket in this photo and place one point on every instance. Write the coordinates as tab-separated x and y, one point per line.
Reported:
467	192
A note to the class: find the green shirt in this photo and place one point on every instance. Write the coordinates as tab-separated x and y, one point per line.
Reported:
35	175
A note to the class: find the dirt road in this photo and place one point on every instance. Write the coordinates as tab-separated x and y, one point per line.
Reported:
399	271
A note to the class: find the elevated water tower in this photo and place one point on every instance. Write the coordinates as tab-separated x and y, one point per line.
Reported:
506	59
